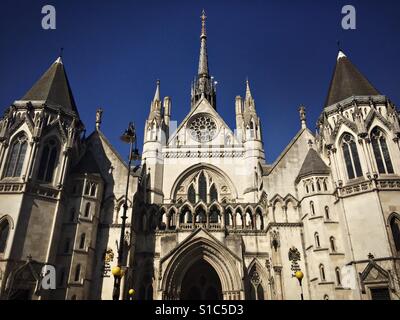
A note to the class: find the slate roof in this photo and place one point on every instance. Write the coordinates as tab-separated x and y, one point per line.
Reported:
53	88
347	81
87	164
313	165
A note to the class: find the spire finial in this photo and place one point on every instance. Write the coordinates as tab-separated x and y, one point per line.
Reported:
99	116
157	93
248	91
203	62
302	112
340	51
59	59
203	24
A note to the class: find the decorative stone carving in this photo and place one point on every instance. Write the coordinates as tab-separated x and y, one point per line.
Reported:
275	242
203	128
255	279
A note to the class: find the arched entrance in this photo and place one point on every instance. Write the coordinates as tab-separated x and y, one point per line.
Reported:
201	282
201	254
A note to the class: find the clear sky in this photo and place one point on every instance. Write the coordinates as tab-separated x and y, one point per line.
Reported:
115	50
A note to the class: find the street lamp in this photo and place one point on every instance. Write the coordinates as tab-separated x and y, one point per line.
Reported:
300	275
129	136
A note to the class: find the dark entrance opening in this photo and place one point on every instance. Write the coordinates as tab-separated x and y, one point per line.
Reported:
380	294
201	282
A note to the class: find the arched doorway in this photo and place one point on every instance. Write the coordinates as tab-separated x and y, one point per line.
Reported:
201	282
202	254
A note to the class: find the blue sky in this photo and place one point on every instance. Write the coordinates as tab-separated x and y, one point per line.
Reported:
115	51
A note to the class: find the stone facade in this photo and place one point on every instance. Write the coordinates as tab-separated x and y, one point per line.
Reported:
208	218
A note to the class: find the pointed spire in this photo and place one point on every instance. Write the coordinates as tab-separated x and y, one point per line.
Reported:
347	81
53	88
341	55
203	60
248	91
249	104
59	59
204	85
340	52
157	93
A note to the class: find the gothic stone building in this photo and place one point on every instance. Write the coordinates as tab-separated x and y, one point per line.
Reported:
208	218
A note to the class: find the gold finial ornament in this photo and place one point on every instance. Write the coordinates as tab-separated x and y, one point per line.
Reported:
131	292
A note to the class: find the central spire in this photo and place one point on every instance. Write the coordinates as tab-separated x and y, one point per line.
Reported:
203	86
203	61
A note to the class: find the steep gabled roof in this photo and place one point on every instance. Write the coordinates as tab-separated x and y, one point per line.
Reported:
53	88
87	164
313	165
347	81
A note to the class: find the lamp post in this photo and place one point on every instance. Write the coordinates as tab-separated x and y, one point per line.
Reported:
129	136
300	275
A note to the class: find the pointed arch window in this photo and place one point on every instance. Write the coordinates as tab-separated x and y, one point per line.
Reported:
381	152
213	193
214	215
395	228
312	208
87	209
189	216
16	157
338	278
325	185
192	195
82	241
317	241
202	187
77	272
228	218
48	161
322	272
4	232
351	157
251	129
333	244
327	216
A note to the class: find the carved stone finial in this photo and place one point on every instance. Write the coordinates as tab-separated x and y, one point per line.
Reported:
302	112
99	116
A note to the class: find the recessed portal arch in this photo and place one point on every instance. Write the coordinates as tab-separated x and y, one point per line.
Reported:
201	282
205	255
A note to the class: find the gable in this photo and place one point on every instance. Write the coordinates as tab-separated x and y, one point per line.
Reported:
281	178
203	107
374	273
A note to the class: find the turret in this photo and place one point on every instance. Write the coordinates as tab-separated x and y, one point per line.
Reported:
254	150
155	137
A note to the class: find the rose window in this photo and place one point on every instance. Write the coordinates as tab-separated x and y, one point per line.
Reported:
203	128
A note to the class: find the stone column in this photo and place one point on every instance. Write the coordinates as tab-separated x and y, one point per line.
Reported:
279	286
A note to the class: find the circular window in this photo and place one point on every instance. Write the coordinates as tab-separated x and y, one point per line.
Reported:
203	128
